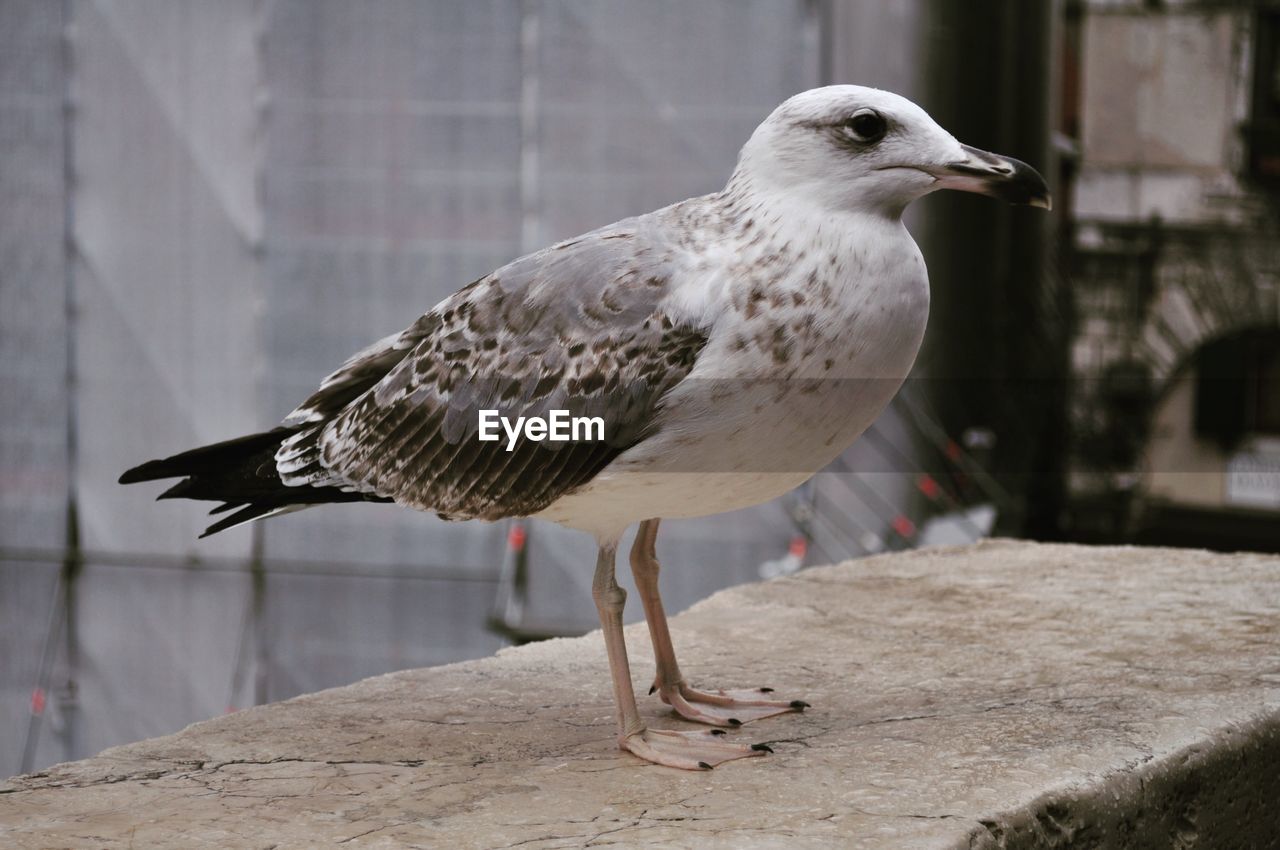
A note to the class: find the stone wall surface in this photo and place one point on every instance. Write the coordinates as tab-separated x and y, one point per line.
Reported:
1002	695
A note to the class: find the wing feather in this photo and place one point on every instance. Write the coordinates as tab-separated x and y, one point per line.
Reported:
585	326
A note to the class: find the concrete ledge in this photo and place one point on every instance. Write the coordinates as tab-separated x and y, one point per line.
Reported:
1004	695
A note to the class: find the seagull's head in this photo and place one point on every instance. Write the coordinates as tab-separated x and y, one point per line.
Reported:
862	149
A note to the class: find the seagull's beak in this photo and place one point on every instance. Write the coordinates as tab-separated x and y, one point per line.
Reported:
1000	177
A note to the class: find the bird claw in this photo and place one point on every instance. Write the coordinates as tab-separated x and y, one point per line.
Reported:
697	750
725	708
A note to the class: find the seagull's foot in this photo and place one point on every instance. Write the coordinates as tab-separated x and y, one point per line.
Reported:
725	708
688	750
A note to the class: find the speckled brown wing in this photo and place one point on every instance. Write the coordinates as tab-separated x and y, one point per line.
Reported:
577	327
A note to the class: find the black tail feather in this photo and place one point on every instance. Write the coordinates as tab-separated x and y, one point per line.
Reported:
246	514
213	457
242	474
177	491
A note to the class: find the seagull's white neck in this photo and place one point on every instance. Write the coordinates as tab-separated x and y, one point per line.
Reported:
794	214
831	204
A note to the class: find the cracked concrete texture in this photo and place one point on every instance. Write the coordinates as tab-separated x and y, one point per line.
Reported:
1002	695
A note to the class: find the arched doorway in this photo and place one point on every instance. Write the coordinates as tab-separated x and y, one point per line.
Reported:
1211	463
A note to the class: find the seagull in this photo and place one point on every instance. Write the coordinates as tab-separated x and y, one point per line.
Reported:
731	345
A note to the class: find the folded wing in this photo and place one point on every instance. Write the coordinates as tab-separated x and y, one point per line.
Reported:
583	327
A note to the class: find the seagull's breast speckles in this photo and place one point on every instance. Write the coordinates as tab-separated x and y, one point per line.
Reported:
813	321
828	304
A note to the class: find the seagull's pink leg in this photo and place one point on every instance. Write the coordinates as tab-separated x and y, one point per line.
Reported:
717	708
688	750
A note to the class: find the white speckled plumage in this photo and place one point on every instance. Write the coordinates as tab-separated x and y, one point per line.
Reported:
733	344
800	270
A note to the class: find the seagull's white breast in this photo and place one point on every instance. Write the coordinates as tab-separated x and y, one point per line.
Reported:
813	336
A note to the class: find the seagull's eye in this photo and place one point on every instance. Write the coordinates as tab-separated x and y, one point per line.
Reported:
867	127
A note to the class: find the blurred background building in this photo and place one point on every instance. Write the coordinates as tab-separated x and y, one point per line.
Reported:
208	206
1173	250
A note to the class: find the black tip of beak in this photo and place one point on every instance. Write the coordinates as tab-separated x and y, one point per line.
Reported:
1025	186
